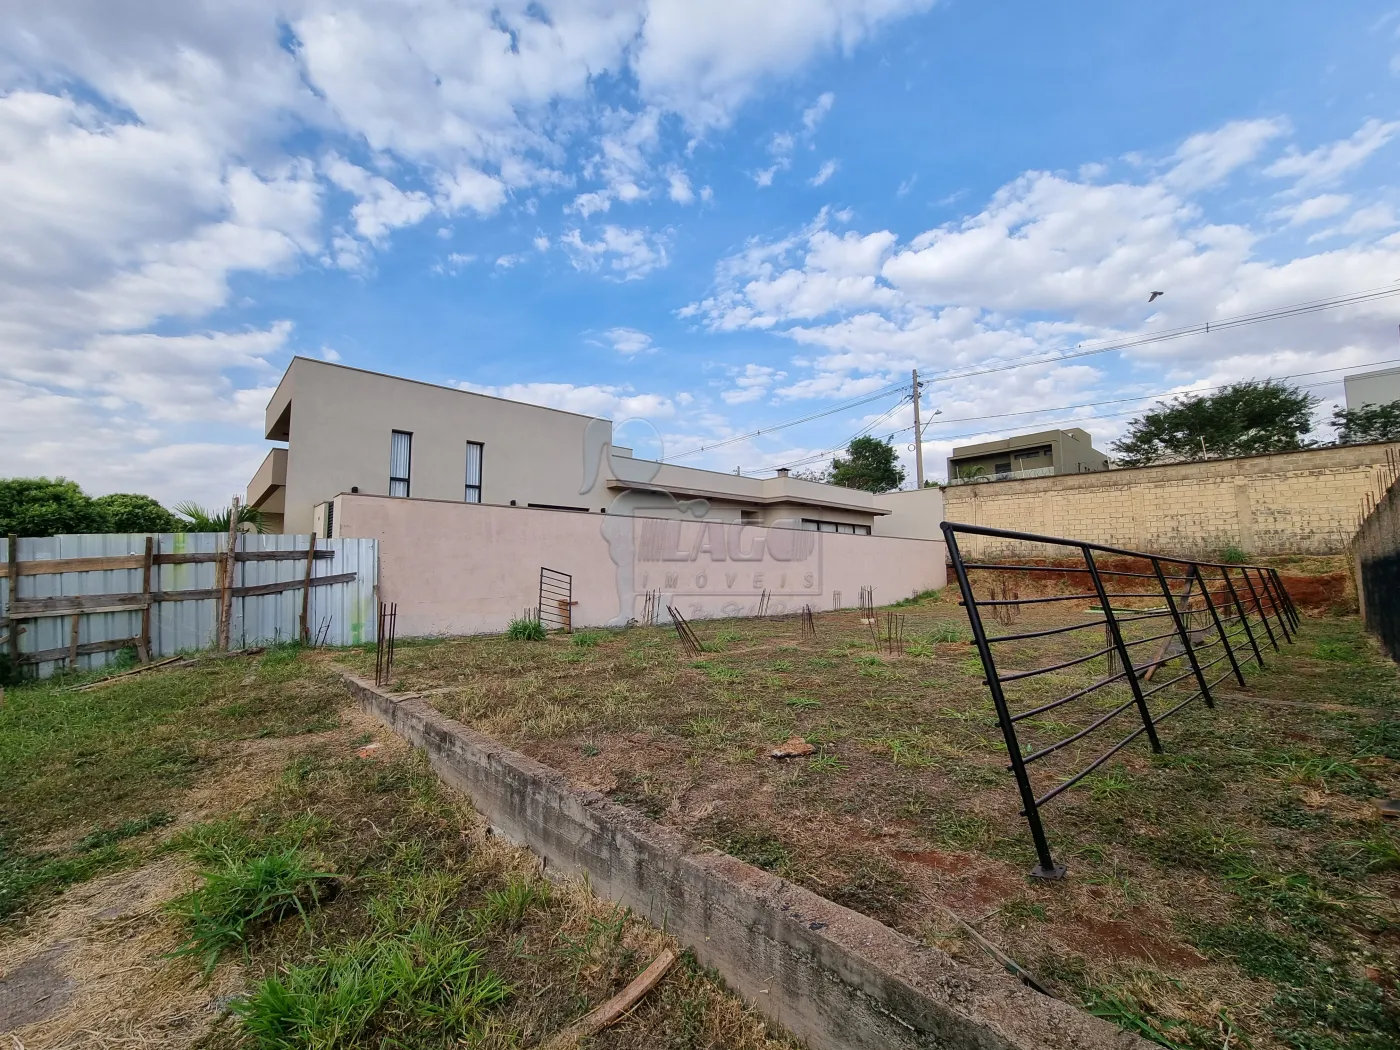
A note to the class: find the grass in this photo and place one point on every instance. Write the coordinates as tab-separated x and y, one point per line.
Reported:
1257	815
242	893
340	900
525	629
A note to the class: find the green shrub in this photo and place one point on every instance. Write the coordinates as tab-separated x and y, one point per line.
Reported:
525	629
242	893
1234	555
588	639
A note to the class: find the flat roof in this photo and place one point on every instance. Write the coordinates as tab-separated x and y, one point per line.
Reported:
1371	375
436	386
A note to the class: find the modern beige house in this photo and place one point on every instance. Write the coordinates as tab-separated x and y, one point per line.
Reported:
1026	456
348	430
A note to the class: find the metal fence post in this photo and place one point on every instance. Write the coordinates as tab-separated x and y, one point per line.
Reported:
1133	682
1254	595
1183	633
1275	605
1046	868
1244	618
1288	603
1219	629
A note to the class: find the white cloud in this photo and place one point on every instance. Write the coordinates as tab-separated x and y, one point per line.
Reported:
680	190
1209	156
629	341
1328	163
590	203
627	254
817	111
702	60
751	384
193	142
382	206
591	400
1048	264
827	170
1322	206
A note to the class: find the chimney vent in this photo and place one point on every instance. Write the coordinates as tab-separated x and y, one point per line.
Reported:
782	472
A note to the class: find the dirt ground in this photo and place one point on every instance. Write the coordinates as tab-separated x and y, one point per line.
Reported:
1241	885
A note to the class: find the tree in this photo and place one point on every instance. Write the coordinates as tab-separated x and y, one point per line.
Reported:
130	512
46	507
215	519
870	464
1243	419
1356	426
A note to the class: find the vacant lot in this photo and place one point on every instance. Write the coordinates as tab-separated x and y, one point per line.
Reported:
224	855
1238	890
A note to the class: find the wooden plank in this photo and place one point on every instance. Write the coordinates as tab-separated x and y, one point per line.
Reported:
12	613
37	608
206	559
226	594
306	593
86	649
251	591
54	566
143	647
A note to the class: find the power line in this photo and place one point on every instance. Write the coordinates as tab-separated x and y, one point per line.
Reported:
1060	408
1204	328
843	407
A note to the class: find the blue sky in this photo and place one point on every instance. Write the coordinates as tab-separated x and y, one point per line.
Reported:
714	217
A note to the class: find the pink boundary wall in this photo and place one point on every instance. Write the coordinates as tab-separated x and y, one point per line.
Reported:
464	568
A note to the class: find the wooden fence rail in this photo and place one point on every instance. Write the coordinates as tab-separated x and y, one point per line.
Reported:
107	605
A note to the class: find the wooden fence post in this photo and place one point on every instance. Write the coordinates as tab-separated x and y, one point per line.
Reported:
10	604
73	642
226	592
306	593
143	644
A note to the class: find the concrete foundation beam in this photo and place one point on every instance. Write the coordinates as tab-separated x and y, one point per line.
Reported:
831	976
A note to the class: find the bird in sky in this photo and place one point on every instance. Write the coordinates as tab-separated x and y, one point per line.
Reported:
1153	297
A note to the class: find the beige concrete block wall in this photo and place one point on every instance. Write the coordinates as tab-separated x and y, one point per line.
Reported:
462	568
1288	503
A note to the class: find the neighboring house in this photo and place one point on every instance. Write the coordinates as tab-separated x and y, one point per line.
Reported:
1373	388
348	430
1027	456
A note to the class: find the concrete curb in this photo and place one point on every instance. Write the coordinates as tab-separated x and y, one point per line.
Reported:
831	976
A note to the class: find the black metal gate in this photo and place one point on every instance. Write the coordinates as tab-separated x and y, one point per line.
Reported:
1242	609
556	600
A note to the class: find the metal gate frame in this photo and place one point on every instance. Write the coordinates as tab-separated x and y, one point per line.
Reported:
556	608
1229	594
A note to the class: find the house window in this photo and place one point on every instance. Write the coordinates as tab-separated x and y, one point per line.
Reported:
750	517
400	457
474	449
817	525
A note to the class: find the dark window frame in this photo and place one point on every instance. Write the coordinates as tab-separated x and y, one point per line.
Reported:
407	479
480	473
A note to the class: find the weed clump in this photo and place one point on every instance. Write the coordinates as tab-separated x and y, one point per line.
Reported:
242	893
525	629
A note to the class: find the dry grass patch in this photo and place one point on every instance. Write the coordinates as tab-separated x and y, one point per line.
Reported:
1239	886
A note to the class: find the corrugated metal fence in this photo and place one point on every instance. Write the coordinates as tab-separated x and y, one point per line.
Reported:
1375	552
82	612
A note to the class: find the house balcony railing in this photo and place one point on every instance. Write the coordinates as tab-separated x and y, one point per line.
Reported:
1000	475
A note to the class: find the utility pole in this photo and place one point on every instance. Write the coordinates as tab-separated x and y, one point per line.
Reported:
918	436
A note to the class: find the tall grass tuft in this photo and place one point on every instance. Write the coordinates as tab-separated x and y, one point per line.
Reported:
241	893
426	983
525	629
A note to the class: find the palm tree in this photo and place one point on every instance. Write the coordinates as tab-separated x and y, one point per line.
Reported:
208	519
